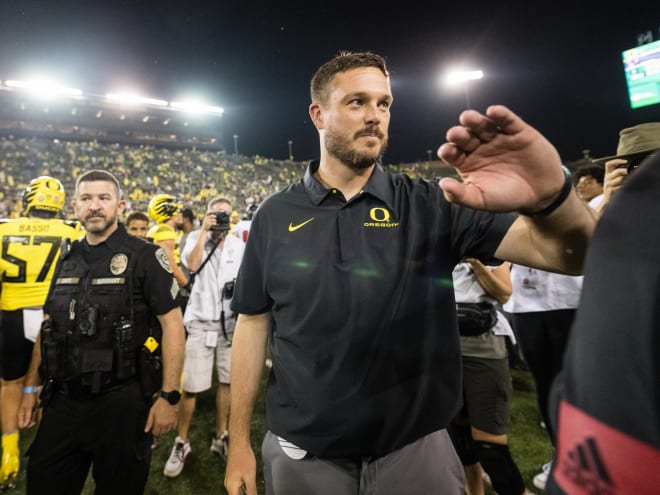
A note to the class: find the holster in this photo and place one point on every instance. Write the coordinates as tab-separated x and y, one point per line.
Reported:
151	373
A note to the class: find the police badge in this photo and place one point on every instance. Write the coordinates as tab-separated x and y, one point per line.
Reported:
118	264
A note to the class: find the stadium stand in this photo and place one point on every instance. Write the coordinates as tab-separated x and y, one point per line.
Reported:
151	150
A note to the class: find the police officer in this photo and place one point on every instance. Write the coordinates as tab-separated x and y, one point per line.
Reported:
110	311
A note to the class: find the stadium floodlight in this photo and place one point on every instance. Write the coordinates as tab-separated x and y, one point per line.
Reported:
463	78
195	107
43	88
131	99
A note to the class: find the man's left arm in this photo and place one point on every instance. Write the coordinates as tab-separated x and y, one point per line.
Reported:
557	242
162	416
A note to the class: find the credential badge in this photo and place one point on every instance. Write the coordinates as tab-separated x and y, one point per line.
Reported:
118	264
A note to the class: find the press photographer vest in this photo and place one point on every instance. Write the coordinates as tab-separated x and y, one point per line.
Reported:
97	325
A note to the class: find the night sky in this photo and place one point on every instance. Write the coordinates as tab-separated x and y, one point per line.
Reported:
559	68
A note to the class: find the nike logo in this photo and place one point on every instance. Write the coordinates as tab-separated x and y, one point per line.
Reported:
293	228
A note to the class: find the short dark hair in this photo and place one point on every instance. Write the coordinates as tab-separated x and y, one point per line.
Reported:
589	170
136	215
188	213
98	175
345	60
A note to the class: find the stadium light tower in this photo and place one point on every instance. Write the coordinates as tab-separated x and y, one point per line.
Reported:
463	77
290	150
235	144
43	88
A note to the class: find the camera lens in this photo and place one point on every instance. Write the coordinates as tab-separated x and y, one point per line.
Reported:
221	221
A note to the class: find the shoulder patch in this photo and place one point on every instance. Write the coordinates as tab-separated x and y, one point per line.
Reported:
161	257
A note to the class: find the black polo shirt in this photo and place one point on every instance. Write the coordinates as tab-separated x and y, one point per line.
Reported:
364	342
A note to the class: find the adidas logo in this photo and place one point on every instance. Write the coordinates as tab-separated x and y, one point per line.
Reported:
585	467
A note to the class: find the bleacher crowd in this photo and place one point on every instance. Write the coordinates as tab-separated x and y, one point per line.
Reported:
194	176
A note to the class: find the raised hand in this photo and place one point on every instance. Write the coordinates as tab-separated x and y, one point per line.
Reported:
505	164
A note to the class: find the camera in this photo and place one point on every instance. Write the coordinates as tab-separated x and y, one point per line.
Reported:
630	166
221	221
633	162
87	321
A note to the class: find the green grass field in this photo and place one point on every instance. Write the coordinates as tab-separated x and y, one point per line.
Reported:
204	472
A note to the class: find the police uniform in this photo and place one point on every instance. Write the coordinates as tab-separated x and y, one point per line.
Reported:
385	371
607	400
31	248
103	304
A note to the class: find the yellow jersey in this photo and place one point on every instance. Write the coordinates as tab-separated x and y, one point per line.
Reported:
30	250
163	232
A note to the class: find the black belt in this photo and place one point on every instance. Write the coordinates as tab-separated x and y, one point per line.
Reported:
76	390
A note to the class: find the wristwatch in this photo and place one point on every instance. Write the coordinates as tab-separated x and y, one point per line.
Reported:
172	397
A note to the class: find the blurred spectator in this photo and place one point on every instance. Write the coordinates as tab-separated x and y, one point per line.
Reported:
542	307
187	226
588	180
479	432
137	224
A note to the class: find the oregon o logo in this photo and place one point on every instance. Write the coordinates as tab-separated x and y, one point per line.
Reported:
52	184
379	215
380	218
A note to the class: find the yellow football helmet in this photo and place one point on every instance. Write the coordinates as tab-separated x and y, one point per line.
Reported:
43	193
163	207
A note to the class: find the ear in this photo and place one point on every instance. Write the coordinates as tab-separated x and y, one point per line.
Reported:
316	114
121	206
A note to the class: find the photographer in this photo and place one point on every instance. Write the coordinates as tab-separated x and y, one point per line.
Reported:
635	144
213	258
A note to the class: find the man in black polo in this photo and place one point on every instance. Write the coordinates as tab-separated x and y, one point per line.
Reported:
348	273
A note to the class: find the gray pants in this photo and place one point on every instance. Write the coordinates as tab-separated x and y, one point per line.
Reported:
427	466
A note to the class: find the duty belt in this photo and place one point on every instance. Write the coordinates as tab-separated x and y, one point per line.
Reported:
74	389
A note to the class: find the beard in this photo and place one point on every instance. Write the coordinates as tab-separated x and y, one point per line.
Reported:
358	159
98	227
